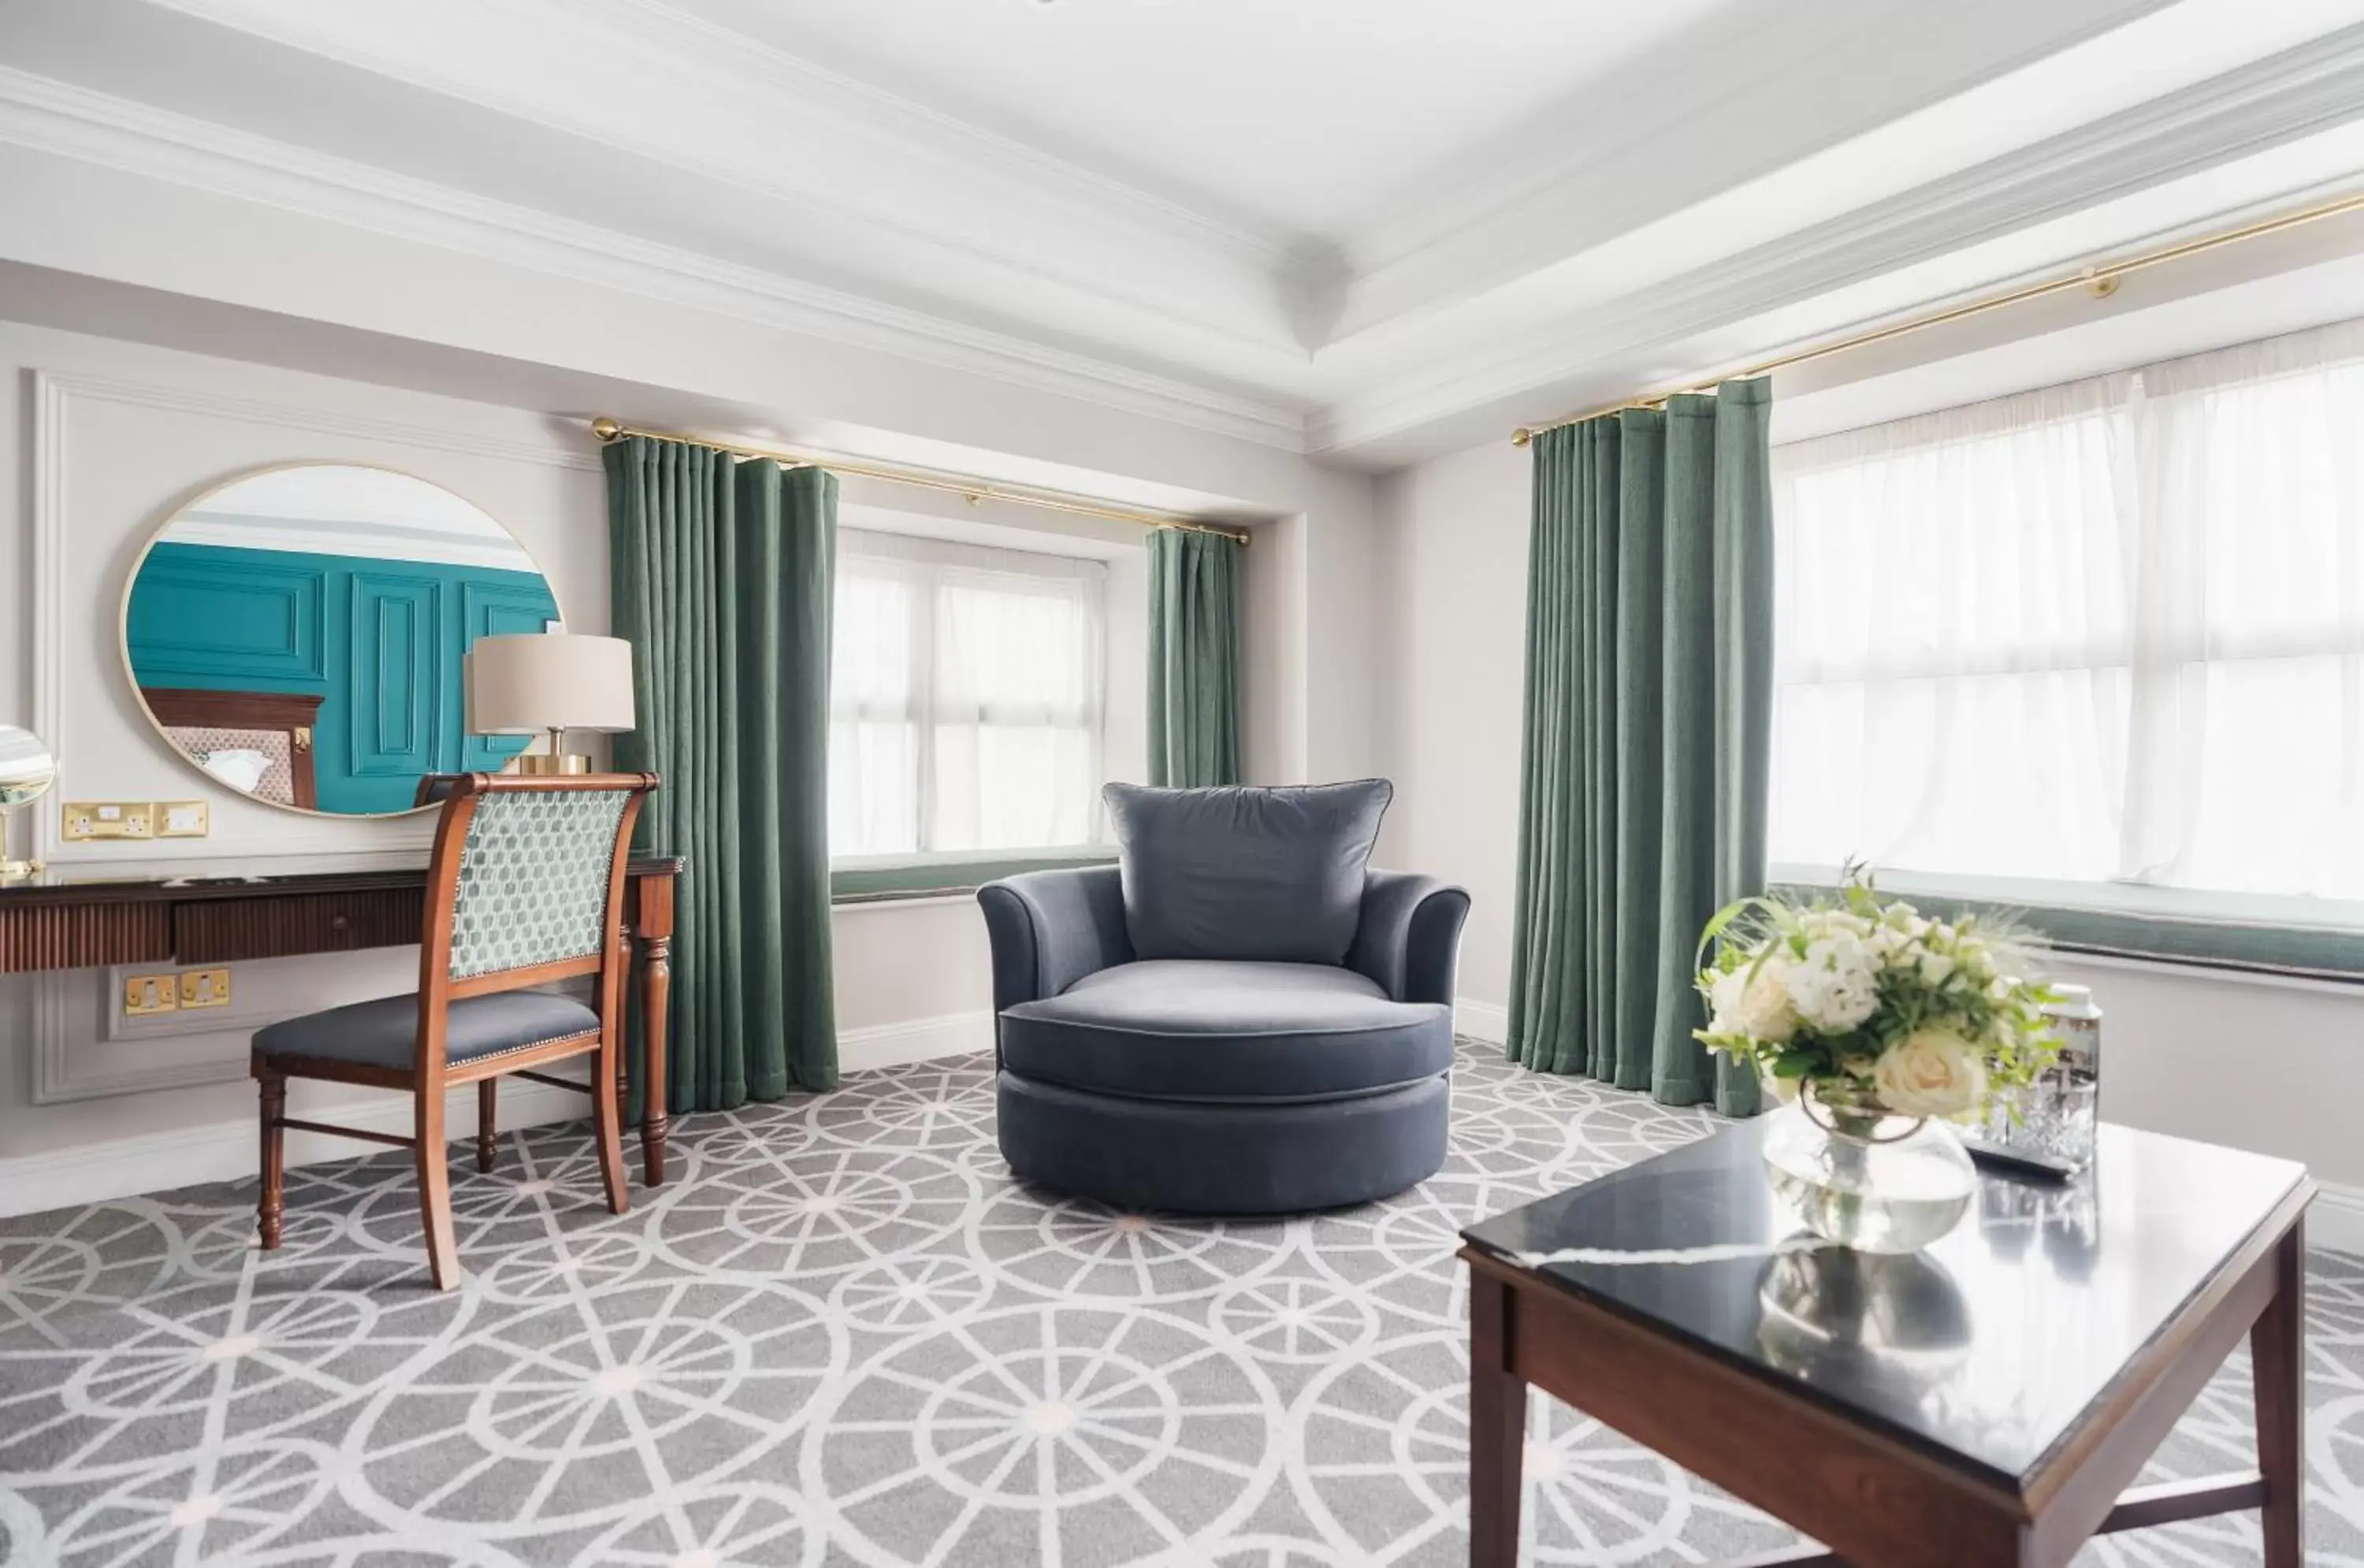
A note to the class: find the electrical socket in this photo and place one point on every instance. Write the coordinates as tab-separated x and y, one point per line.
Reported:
204	988
109	820
183	819
146	994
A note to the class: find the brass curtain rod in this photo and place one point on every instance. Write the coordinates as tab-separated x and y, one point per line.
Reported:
2100	279
971	490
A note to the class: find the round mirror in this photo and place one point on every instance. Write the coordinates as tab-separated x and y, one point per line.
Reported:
299	635
27	767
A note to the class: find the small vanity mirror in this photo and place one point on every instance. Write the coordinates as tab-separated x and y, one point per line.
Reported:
299	635
28	769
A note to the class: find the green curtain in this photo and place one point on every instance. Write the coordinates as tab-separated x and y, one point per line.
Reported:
1648	708
1194	659
721	575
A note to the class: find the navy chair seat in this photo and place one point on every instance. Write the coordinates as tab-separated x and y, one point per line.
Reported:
1227	1030
384	1032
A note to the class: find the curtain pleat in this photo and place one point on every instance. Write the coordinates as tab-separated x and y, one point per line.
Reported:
721	581
1648	713
1194	659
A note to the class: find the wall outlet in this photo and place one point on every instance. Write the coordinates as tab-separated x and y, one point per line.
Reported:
183	819
109	820
146	994
204	988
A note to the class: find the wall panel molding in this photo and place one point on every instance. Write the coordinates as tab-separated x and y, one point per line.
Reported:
84	1049
248	832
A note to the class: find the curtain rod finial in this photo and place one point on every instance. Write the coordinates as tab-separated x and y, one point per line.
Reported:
1521	436
604	429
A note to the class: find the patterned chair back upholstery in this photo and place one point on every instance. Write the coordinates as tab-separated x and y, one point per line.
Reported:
534	876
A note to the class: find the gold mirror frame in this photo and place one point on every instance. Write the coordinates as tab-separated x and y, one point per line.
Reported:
158	727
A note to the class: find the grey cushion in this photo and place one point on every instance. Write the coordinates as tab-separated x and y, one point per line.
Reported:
384	1033
1169	1029
1268	874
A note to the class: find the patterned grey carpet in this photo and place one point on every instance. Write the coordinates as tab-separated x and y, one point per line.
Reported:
843	1336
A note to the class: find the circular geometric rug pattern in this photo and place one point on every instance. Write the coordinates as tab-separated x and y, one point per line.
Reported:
841	1334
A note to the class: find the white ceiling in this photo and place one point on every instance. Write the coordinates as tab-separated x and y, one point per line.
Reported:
1301	116
1368	230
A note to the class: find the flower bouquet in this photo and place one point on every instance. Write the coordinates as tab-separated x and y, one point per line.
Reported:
1874	1024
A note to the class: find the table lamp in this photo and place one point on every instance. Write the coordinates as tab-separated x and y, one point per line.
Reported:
552	682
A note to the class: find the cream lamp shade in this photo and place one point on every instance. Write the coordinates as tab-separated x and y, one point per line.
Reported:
552	682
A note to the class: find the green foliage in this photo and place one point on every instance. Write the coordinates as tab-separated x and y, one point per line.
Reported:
1817	992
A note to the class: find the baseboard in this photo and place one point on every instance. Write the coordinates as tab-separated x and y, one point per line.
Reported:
1489	1021
2336	1220
914	1039
225	1151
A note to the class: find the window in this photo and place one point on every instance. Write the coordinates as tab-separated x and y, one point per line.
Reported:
2101	644
965	699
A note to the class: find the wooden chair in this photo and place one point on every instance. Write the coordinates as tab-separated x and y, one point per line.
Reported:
526	888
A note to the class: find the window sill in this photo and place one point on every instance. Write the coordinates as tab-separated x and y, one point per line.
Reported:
938	878
2153	927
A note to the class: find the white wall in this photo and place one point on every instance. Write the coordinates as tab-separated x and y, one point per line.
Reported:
1453	574
2276	1067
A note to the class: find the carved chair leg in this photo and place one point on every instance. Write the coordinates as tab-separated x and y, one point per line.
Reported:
273	1205
435	1190
607	1114
487	1116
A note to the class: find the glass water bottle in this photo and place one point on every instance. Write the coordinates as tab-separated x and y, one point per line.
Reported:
2050	1122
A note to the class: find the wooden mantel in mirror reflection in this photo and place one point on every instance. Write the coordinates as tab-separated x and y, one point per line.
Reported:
87	917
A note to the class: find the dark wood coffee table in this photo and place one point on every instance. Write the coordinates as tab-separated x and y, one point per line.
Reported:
1985	1403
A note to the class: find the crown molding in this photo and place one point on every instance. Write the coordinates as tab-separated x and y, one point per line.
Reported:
62	119
865	104
2270	103
1617	159
716	104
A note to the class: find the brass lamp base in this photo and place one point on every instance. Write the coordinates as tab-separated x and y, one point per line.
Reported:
557	760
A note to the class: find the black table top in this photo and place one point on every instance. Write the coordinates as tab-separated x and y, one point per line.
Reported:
1986	1348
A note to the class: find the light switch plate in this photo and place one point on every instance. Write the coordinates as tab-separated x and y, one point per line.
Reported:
183	819
146	994
204	988
83	819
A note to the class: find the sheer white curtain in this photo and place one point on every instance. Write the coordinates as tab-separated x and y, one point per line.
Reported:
2105	633
966	687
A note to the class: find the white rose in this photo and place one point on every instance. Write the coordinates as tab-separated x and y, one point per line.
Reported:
1754	1004
1934	967
1765	1012
1931	1072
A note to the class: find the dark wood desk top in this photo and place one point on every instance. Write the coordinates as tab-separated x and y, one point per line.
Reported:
1988	1349
189	881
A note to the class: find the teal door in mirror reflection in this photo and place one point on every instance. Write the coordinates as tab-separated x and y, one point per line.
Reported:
377	642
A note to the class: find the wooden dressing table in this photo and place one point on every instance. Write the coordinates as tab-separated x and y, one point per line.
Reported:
86	917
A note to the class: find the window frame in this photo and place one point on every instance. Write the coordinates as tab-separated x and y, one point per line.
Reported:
931	562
